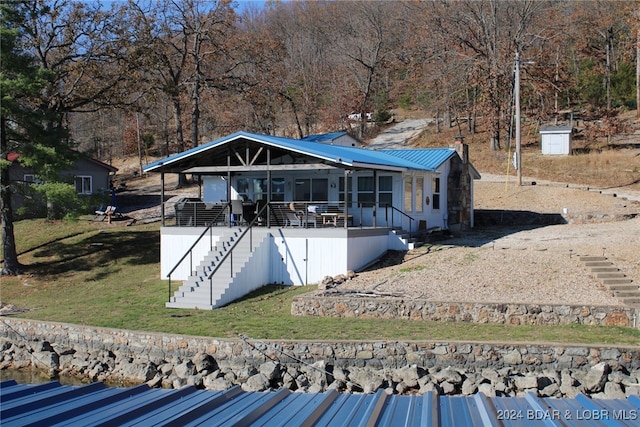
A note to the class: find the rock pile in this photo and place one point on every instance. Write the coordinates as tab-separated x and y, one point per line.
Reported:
608	379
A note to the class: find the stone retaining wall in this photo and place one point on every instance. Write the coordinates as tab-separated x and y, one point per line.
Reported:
449	367
419	309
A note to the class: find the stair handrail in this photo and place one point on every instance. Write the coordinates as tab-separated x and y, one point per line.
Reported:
229	252
402	213
386	207
189	251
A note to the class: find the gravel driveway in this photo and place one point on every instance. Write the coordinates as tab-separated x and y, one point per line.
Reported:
513	264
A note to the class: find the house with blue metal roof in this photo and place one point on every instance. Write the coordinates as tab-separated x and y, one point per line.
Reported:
293	211
343	138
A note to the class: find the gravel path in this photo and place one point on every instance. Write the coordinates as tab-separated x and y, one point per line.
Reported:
536	265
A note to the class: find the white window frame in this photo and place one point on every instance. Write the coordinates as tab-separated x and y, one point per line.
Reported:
385	193
83	179
407	193
419	190
436	195
31	179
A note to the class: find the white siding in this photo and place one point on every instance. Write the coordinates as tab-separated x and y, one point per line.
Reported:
556	142
291	256
174	242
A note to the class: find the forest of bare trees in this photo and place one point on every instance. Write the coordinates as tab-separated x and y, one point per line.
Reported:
118	78
169	75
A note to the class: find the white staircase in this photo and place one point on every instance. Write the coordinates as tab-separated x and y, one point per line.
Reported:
399	240
197	292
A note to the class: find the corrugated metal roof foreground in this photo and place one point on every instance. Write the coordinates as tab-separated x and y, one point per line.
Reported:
53	404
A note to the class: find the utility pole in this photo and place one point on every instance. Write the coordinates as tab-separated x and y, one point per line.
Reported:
517	160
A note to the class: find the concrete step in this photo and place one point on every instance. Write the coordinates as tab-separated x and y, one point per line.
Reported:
604	269
618	275
631	301
622	281
625	294
624	288
188	305
592	258
598	263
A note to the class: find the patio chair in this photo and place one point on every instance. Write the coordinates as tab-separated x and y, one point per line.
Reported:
303	216
284	217
259	213
236	212
107	213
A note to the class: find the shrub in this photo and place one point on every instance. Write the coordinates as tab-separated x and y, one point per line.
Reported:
382	116
62	200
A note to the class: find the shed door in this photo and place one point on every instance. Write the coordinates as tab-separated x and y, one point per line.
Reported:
555	145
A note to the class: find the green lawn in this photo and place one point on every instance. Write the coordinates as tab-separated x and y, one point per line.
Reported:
98	274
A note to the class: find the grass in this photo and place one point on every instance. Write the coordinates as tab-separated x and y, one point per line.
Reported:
594	163
108	275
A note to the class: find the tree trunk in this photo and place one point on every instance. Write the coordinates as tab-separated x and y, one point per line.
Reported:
177	116
638	68
195	113
177	113
11	265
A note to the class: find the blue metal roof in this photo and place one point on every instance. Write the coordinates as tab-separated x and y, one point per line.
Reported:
323	137
53	404
428	158
347	156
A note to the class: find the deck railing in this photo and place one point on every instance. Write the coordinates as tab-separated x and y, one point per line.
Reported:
229	253
191	212
277	214
209	230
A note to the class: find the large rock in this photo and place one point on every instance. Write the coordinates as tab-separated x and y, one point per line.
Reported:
137	371
596	378
204	363
211	382
469	385
569	386
487	389
48	360
632	390
271	370
408	375
257	382
316	373
525	382
447	387
449	375
429	386
550	390
491	375
368	380
184	370
613	391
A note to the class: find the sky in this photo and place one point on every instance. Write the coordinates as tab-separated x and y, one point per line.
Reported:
241	5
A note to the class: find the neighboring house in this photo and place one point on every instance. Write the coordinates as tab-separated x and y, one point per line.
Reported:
90	176
556	140
351	206
343	138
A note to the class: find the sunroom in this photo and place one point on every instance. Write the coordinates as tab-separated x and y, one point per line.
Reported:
281	210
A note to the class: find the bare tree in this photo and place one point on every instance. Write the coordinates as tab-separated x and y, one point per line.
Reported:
365	41
488	32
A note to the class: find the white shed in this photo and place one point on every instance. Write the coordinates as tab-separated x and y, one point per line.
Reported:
556	140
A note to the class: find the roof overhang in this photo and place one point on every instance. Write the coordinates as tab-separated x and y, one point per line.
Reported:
218	170
243	152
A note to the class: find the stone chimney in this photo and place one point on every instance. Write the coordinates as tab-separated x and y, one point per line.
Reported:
460	189
461	148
